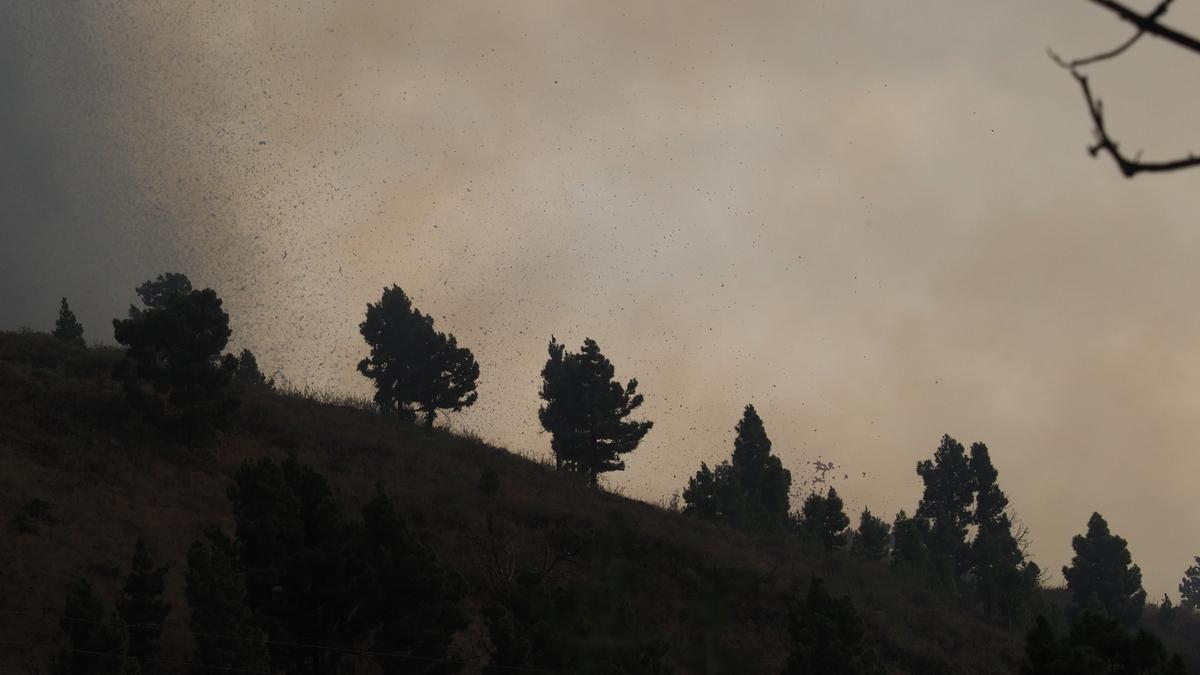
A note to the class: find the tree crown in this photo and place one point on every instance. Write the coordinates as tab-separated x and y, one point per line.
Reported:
415	368
67	328
586	410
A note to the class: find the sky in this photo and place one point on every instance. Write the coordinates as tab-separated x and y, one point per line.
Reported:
875	221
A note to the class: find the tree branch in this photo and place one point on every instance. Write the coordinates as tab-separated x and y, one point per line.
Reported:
1104	143
1088	60
1148	23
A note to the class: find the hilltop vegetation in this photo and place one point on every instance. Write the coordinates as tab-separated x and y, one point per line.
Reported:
167	509
617	572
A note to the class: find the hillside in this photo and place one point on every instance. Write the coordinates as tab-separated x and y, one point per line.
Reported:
714	599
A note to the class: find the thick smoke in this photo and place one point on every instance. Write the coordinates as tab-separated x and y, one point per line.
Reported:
875	228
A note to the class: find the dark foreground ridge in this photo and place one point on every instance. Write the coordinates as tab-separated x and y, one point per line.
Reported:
394	549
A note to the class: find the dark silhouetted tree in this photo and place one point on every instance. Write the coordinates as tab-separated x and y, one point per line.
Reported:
291	537
1166	611
945	507
1189	587
1005	581
824	519
142	608
752	491
962	492
410	602
172	370
1042	650
873	538
97	643
67	328
1102	571
826	634
156	292
415	368
586	411
226	638
246	372
713	495
1096	644
908	546
759	473
315	578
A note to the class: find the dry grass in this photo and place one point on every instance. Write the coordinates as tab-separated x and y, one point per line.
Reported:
717	596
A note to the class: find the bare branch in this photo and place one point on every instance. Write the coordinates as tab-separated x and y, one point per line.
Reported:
1149	23
1153	16
1088	60
1105	143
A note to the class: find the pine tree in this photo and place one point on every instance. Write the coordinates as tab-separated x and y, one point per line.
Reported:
716	495
156	293
97	645
142	608
872	540
1042	651
1166	611
760	474
990	500
221	622
1096	644
826	635
1189	587
246	372
945	506
752	491
586	411
409	600
908	547
67	328
1102	572
292	539
702	496
415	368
172	370
1005	581
315	578
824	519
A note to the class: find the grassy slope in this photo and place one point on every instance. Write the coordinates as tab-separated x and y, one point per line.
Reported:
718	597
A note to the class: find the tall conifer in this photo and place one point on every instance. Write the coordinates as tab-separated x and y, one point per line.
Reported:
67	328
1102	572
142	607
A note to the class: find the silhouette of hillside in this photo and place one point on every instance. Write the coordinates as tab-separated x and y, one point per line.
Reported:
703	598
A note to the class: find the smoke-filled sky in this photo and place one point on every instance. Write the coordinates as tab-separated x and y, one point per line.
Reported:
876	221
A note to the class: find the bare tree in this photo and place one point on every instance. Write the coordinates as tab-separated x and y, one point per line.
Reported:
1143	24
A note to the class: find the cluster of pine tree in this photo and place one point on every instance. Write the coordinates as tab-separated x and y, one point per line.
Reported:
297	572
298	588
174	372
961	493
125	642
749	492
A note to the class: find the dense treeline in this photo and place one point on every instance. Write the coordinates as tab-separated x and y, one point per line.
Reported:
299	584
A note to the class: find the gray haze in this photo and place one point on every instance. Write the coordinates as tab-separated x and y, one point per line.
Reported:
874	220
